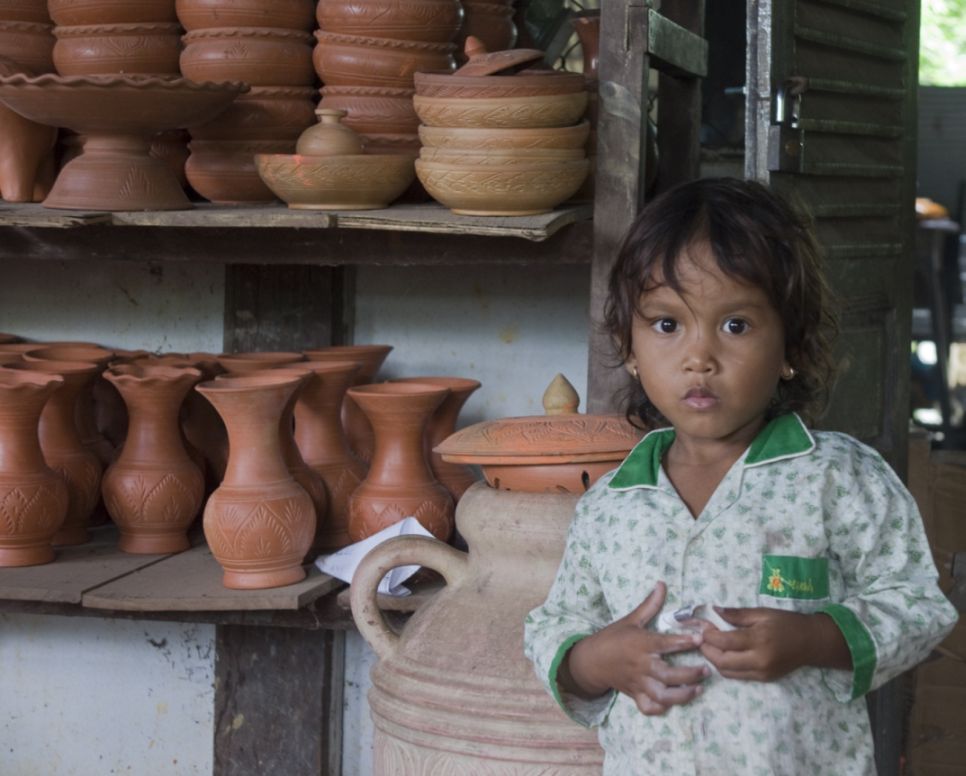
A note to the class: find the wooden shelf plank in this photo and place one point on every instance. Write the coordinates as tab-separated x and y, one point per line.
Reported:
191	582
40	217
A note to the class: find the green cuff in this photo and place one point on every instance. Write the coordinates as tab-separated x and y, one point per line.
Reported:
558	658
861	646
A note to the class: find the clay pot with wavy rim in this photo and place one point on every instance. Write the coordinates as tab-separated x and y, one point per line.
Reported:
356	60
482	138
265	113
27	163
259	522
243	363
33	11
529	83
370	358
33	498
87	12
491	23
225	172
431	21
373	108
153	491
286	14
29	46
399	482
548	110
258	56
118	49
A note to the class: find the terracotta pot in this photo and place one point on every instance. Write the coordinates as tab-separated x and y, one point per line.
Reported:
27	164
88	12
62	446
549	110
153	491
400	482
29	46
491	23
286	14
358	430
260	522
506	191
431	21
324	446
372	108
527	84
258	56
224	171
356	60
453	692
33	499
171	148
113	49
456	478
587	27
264	113
481	138
34	11
242	363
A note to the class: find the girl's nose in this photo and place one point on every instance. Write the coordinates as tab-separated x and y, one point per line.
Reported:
698	356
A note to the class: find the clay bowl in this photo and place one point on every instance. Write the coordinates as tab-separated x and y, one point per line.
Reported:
84	12
502	158
480	138
551	110
350	182
373	108
494	191
108	49
264	113
28	45
224	171
527	84
355	60
34	11
431	21
285	14
258	56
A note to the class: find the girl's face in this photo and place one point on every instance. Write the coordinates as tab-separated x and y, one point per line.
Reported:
709	358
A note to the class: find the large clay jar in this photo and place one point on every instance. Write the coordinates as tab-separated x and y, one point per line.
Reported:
27	167
355	60
110	49
455	477
33	499
369	357
399	483
153	491
259	523
259	56
63	449
323	445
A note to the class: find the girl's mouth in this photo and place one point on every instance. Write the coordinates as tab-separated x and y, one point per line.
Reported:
700	398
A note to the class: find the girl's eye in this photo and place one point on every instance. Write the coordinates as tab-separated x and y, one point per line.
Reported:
736	326
665	325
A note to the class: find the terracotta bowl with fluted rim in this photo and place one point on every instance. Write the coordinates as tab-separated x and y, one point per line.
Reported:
28	45
258	56
492	191
550	110
109	49
348	182
224	172
432	21
377	109
482	138
357	60
284	14
526	84
85	12
263	113
502	158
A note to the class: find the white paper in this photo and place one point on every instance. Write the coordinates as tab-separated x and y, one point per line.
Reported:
676	621
342	564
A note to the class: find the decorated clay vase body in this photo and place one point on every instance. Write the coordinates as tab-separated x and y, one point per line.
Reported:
153	491
324	447
259	522
33	499
454	693
400	482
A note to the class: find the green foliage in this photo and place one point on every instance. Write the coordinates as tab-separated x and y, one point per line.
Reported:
942	43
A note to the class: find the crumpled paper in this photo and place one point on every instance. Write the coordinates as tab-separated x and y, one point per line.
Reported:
342	564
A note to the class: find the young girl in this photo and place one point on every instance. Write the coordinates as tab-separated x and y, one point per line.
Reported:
784	573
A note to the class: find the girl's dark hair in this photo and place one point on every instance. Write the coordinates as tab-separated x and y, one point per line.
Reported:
756	237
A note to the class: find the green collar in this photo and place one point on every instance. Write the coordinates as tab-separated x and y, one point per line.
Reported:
783	437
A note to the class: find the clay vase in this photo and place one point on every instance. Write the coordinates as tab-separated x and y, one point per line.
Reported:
587	27
62	447
27	165
358	430
259	522
400	482
324	447
454	693
153	491
492	23
33	499
329	137
455	477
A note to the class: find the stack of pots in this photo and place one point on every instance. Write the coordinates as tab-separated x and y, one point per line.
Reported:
490	21
366	56
264	43
501	141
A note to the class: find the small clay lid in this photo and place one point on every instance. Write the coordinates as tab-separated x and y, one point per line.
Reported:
482	62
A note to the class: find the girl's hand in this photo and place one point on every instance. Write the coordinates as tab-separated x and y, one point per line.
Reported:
626	657
768	644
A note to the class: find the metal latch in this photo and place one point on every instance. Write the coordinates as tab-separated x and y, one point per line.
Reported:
786	140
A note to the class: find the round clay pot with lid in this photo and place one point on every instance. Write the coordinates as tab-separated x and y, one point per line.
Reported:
432	21
330	137
286	14
258	56
86	12
118	49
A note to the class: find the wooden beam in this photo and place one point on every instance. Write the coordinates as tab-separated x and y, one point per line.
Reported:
674	49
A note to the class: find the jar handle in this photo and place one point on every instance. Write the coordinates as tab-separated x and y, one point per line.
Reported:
401	551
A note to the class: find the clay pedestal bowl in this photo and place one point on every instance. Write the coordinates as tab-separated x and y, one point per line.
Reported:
349	182
550	110
28	45
119	116
108	49
431	21
285	14
482	138
78	12
355	60
258	56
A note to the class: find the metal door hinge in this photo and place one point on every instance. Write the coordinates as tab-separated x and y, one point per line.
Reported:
786	140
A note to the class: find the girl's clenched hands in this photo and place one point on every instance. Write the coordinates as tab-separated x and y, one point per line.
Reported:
627	657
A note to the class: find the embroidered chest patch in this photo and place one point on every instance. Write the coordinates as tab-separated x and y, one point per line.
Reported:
788	576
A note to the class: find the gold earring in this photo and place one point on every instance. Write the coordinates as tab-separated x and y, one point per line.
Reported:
636	375
788	372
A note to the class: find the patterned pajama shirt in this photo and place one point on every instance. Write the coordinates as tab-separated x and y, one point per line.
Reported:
806	522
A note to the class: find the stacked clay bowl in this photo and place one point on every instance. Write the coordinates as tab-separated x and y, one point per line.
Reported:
501	144
267	44
26	36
